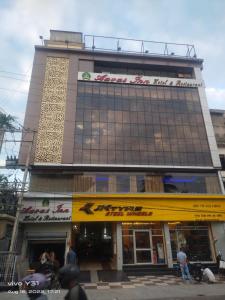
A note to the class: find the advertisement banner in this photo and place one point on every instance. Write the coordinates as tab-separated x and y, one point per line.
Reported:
85	210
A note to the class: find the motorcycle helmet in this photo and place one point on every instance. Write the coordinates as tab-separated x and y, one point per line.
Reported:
67	274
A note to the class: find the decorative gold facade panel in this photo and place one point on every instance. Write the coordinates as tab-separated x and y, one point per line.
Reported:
52	117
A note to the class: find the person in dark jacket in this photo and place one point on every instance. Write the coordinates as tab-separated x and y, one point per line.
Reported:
68	278
71	257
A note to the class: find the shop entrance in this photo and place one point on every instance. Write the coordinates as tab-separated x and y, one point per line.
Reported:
93	242
143	246
143	243
36	248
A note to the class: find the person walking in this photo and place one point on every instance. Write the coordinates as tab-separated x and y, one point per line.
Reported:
182	260
68	278
71	257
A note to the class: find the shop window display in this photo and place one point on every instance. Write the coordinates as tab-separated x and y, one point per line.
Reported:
194	238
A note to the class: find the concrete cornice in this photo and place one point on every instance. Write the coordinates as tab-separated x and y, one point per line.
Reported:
148	196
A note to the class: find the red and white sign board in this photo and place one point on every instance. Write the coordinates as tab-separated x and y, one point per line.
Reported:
140	80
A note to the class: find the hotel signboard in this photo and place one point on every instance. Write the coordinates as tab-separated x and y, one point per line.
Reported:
140	80
46	210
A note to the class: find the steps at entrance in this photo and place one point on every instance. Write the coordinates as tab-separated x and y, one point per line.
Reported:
143	270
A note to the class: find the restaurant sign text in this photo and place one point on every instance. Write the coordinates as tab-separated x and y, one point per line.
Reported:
139	80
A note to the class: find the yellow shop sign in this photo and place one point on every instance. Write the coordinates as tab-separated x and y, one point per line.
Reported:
136	208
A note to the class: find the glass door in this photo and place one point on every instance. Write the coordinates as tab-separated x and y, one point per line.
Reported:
142	246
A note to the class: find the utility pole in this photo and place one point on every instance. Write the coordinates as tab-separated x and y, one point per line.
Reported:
13	243
20	200
2	133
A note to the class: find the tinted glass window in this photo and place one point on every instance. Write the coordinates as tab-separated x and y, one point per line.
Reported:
140	183
184	184
102	183
123	183
139	125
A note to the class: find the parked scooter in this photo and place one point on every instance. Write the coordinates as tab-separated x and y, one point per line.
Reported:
200	273
196	271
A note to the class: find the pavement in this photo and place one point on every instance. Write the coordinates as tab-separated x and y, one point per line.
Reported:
142	281
178	292
167	287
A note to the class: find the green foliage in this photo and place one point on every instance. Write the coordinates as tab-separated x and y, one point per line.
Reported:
3	180
7	122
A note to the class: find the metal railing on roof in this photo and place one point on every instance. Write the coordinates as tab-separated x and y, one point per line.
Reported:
132	46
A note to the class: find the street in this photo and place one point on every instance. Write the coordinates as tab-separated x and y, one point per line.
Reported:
175	292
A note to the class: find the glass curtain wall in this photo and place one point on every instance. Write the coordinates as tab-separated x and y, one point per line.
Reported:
139	125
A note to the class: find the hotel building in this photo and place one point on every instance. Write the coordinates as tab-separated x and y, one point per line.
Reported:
124	165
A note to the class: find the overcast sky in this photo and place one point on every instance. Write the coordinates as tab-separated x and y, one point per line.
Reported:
198	22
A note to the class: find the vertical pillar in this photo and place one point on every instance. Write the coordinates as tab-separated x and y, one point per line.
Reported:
207	121
112	184
168	245
218	237
119	257
133	184
221	182
69	237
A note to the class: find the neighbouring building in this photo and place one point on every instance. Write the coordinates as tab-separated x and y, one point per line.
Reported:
124	164
218	121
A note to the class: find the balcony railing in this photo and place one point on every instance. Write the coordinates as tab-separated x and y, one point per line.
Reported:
143	47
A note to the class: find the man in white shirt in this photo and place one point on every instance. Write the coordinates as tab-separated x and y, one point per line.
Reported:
182	260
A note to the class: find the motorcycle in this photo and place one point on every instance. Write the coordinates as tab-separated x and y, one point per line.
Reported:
196	270
48	270
201	273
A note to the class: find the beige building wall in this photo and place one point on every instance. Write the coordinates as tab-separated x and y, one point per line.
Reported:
51	102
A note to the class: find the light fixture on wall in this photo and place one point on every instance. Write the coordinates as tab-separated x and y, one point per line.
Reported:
76	228
85	232
106	236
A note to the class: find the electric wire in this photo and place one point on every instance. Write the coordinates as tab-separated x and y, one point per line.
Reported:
8	72
14	78
16	88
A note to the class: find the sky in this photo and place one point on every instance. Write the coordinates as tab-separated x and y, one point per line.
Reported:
198	22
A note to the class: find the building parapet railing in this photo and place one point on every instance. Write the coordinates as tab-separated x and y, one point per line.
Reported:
132	46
